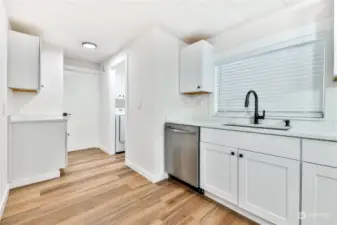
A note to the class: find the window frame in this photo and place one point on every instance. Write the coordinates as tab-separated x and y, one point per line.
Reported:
249	51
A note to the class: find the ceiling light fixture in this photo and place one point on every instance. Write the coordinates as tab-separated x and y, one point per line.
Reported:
89	45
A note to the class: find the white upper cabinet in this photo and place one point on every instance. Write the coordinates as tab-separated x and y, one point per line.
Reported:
319	195
23	62
120	84
197	68
269	187
219	171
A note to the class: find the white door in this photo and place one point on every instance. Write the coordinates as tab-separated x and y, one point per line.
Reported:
81	100
219	171
269	187
319	195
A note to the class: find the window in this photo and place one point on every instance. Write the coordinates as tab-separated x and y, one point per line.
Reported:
289	81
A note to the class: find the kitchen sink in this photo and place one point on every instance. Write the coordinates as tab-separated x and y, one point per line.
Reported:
260	126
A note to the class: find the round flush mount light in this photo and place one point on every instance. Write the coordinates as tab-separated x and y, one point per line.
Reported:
89	45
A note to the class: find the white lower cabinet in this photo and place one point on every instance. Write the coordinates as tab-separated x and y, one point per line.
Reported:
319	195
269	187
37	151
219	171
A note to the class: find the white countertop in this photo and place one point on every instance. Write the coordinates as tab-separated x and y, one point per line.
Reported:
325	135
35	118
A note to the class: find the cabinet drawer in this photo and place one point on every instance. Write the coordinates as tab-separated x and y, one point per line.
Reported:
320	152
268	144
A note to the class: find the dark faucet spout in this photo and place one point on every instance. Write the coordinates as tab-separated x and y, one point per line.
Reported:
256	112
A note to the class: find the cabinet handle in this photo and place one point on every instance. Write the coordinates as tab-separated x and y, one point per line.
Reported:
232	153
198	87
241	155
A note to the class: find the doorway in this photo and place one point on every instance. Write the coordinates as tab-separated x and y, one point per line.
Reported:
118	73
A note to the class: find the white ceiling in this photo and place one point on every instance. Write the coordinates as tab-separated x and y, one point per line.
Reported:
112	23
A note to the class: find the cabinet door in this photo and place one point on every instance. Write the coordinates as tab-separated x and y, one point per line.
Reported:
319	195
269	187
219	168
37	148
190	70
23	61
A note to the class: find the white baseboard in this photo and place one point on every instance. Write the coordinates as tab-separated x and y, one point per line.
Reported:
238	209
34	179
80	149
154	178
106	150
3	201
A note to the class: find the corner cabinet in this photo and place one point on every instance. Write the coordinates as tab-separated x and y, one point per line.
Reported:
197	68
319	195
269	187
219	171
23	62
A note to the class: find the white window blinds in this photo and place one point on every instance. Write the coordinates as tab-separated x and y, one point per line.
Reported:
288	81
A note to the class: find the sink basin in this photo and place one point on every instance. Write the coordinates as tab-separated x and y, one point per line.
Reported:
260	126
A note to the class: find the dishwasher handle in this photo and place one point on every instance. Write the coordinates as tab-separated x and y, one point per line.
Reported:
181	131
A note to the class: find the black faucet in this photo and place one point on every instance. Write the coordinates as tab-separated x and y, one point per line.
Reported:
256	113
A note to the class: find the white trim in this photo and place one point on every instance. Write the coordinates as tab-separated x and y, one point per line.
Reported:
238	209
34	179
72	68
154	178
4	201
83	148
106	150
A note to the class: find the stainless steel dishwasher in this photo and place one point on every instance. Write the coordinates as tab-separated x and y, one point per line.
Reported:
182	153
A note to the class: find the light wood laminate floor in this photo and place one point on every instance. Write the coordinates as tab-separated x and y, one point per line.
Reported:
97	189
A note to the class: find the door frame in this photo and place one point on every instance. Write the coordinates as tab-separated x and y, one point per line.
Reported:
120	58
74	69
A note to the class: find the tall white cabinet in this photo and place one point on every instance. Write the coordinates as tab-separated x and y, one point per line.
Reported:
23	62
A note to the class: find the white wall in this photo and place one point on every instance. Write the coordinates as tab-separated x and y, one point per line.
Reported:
49	100
81	100
3	108
81	65
309	17
152	95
